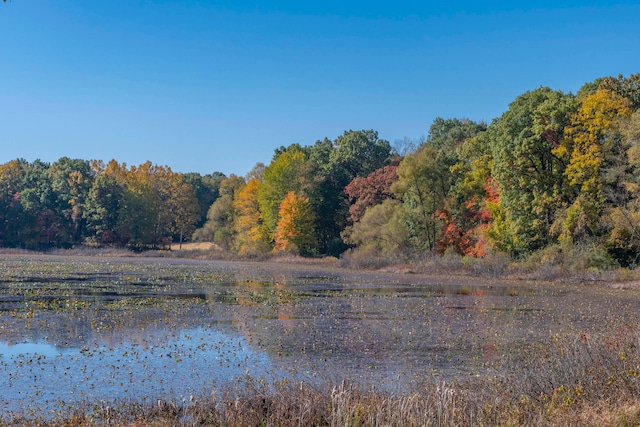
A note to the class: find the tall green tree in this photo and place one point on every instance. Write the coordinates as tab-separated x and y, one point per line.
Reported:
334	165
71	180
530	176
448	134
327	197
357	153
12	217
207	191
287	172
102	210
220	226
422	185
42	224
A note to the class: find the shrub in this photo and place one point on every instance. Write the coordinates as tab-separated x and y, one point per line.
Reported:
366	257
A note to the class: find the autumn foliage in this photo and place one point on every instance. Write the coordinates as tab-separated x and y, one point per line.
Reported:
365	192
295	229
554	170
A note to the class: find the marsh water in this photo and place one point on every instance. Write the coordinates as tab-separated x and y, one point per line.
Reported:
90	330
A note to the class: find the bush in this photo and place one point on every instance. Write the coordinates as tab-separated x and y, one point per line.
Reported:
568	262
449	262
367	257
494	264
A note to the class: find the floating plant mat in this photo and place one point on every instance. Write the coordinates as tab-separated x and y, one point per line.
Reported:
43	376
86	329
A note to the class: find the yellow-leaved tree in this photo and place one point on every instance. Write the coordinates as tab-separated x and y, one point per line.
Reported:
592	138
252	237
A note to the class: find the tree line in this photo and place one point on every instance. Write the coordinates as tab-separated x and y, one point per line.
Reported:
555	170
72	202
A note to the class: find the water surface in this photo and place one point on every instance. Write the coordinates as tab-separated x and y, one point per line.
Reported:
86	329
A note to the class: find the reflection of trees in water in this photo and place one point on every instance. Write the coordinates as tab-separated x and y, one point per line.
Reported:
389	332
334	337
353	325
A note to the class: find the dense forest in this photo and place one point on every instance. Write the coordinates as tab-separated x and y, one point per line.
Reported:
556	170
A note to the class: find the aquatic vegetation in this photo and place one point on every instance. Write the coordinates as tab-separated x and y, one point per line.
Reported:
81	331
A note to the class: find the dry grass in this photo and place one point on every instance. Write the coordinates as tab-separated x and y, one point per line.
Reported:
300	260
554	263
194	246
370	258
15	251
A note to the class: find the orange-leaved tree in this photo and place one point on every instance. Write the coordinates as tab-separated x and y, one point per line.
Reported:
295	229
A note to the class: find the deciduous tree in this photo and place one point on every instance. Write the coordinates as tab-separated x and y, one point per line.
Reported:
592	145
220	226
529	174
71	180
422	186
102	210
295	229
206	188
358	153
382	228
371	190
252	237
287	172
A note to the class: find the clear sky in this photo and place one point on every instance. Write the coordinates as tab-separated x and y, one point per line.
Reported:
205	86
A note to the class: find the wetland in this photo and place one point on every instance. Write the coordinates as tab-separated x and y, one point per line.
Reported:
88	329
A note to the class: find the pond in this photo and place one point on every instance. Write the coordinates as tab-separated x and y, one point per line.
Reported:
77	330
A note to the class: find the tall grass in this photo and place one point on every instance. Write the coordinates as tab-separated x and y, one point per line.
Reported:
582	381
556	263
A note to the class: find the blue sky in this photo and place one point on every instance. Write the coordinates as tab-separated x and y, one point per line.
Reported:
209	86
